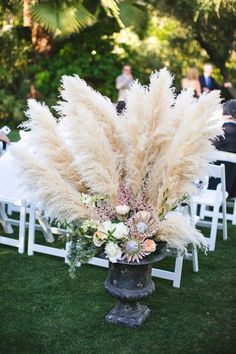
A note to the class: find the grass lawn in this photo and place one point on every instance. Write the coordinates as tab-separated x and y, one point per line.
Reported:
42	310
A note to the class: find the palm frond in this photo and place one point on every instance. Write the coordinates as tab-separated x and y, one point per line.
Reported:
131	14
112	9
64	19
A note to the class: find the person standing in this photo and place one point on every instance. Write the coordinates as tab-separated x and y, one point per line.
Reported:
207	82
124	81
191	81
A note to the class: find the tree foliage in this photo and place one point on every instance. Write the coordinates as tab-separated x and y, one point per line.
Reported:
170	35
212	24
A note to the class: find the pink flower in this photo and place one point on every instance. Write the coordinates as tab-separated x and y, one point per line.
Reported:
149	246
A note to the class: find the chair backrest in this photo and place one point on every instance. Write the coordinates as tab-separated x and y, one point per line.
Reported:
224	156
216	171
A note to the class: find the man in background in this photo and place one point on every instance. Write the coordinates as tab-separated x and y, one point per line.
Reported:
207	82
124	81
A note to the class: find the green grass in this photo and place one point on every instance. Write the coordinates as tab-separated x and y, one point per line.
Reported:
42	310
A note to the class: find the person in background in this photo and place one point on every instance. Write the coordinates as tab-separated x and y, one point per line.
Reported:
4	139
191	81
207	82
124	81
227	143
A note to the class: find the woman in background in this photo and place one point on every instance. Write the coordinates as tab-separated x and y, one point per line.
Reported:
191	81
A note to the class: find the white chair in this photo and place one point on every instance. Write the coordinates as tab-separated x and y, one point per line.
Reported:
47	230
14	199
214	199
175	276
7	223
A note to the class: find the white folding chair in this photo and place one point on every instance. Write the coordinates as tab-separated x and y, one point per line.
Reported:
175	276
7	223
44	226
215	199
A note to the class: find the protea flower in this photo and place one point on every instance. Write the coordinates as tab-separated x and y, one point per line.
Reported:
136	248
144	223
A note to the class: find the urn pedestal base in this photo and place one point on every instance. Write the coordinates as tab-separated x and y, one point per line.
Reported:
128	314
130	283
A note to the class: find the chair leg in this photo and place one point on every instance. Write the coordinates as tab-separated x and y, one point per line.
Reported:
21	248
202	211
224	212
3	219
67	250
9	209
234	213
195	259
178	271
214	224
47	232
31	234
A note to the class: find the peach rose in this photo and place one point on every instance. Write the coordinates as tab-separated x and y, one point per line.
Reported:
99	238
149	246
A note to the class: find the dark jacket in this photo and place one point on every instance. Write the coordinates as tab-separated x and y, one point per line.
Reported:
212	85
227	143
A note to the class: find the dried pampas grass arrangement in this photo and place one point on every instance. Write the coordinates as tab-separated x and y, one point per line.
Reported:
157	147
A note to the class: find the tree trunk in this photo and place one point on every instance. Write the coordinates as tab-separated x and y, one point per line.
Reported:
27	18
41	40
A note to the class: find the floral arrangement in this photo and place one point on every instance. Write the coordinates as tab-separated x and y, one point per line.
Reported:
116	179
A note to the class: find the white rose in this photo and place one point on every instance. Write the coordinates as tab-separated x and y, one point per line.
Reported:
106	227
122	209
113	252
121	230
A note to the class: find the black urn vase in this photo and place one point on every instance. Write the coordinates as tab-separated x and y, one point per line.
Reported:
131	282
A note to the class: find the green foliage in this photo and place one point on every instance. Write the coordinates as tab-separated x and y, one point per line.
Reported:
98	52
81	249
211	23
88	54
14	79
62	18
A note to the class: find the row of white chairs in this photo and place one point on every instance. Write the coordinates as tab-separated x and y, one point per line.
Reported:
215	199
37	222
